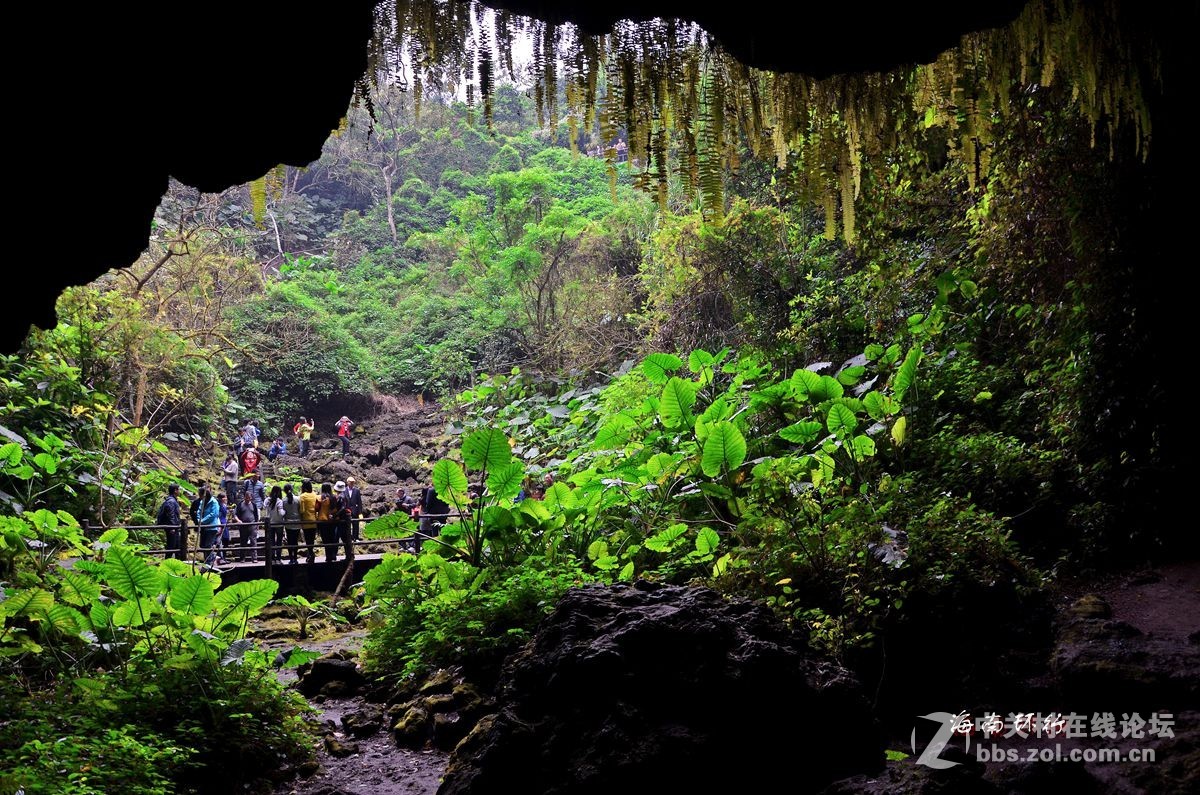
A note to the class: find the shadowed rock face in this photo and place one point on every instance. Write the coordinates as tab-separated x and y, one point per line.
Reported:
671	689
117	99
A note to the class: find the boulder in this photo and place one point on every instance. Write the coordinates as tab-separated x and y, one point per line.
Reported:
663	688
331	668
1101	664
439	710
380	476
364	722
339	749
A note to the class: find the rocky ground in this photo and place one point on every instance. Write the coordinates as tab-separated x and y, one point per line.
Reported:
396	447
617	678
356	754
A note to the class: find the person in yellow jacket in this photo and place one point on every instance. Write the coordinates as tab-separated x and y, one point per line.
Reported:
308	517
303	430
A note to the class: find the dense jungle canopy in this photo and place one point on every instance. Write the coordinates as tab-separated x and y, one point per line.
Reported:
861	316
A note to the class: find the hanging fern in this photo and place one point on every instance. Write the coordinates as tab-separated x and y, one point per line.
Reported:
666	90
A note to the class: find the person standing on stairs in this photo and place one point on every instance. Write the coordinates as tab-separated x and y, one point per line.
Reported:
273	522
229	478
246	519
326	526
308	517
291	519
344	425
353	497
303	430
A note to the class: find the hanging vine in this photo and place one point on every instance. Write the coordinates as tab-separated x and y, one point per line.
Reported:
681	104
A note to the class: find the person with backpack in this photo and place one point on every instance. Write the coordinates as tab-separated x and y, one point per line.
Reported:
354	503
340	514
291	522
258	490
273	522
343	427
246	518
326	526
169	516
432	508
223	536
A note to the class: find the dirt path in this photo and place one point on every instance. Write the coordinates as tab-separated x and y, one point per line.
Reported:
374	764
1163	603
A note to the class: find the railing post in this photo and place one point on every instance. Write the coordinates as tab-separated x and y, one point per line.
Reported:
267	548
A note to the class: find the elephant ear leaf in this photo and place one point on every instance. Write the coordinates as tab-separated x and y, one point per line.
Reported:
193	596
129	575
658	366
724	449
486	448
449	481
675	406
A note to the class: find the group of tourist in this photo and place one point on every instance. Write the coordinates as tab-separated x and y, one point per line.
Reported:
246	445
334	514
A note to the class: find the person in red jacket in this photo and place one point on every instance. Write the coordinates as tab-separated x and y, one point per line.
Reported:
344	425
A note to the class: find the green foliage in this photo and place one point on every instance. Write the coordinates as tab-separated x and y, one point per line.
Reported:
117	643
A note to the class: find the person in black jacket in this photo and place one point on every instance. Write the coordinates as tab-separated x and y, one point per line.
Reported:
340	516
169	516
353	497
433	510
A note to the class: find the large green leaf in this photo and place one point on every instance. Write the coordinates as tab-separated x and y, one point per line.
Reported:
806	381
665	540
659	463
840	420
675	406
725	448
614	434
114	535
390	525
907	374
67	619
700	359
559	497
486	448
879	405
244	597
504	482
134	612
657	366
864	446
802	432
449	481
851	375
900	430
31	602
718	410
701	363
707	541
78	589
99	614
828	389
129	575
193	595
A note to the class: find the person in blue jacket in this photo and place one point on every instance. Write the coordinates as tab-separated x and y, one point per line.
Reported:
210	525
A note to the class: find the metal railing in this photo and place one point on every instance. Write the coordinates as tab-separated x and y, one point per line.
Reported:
272	553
